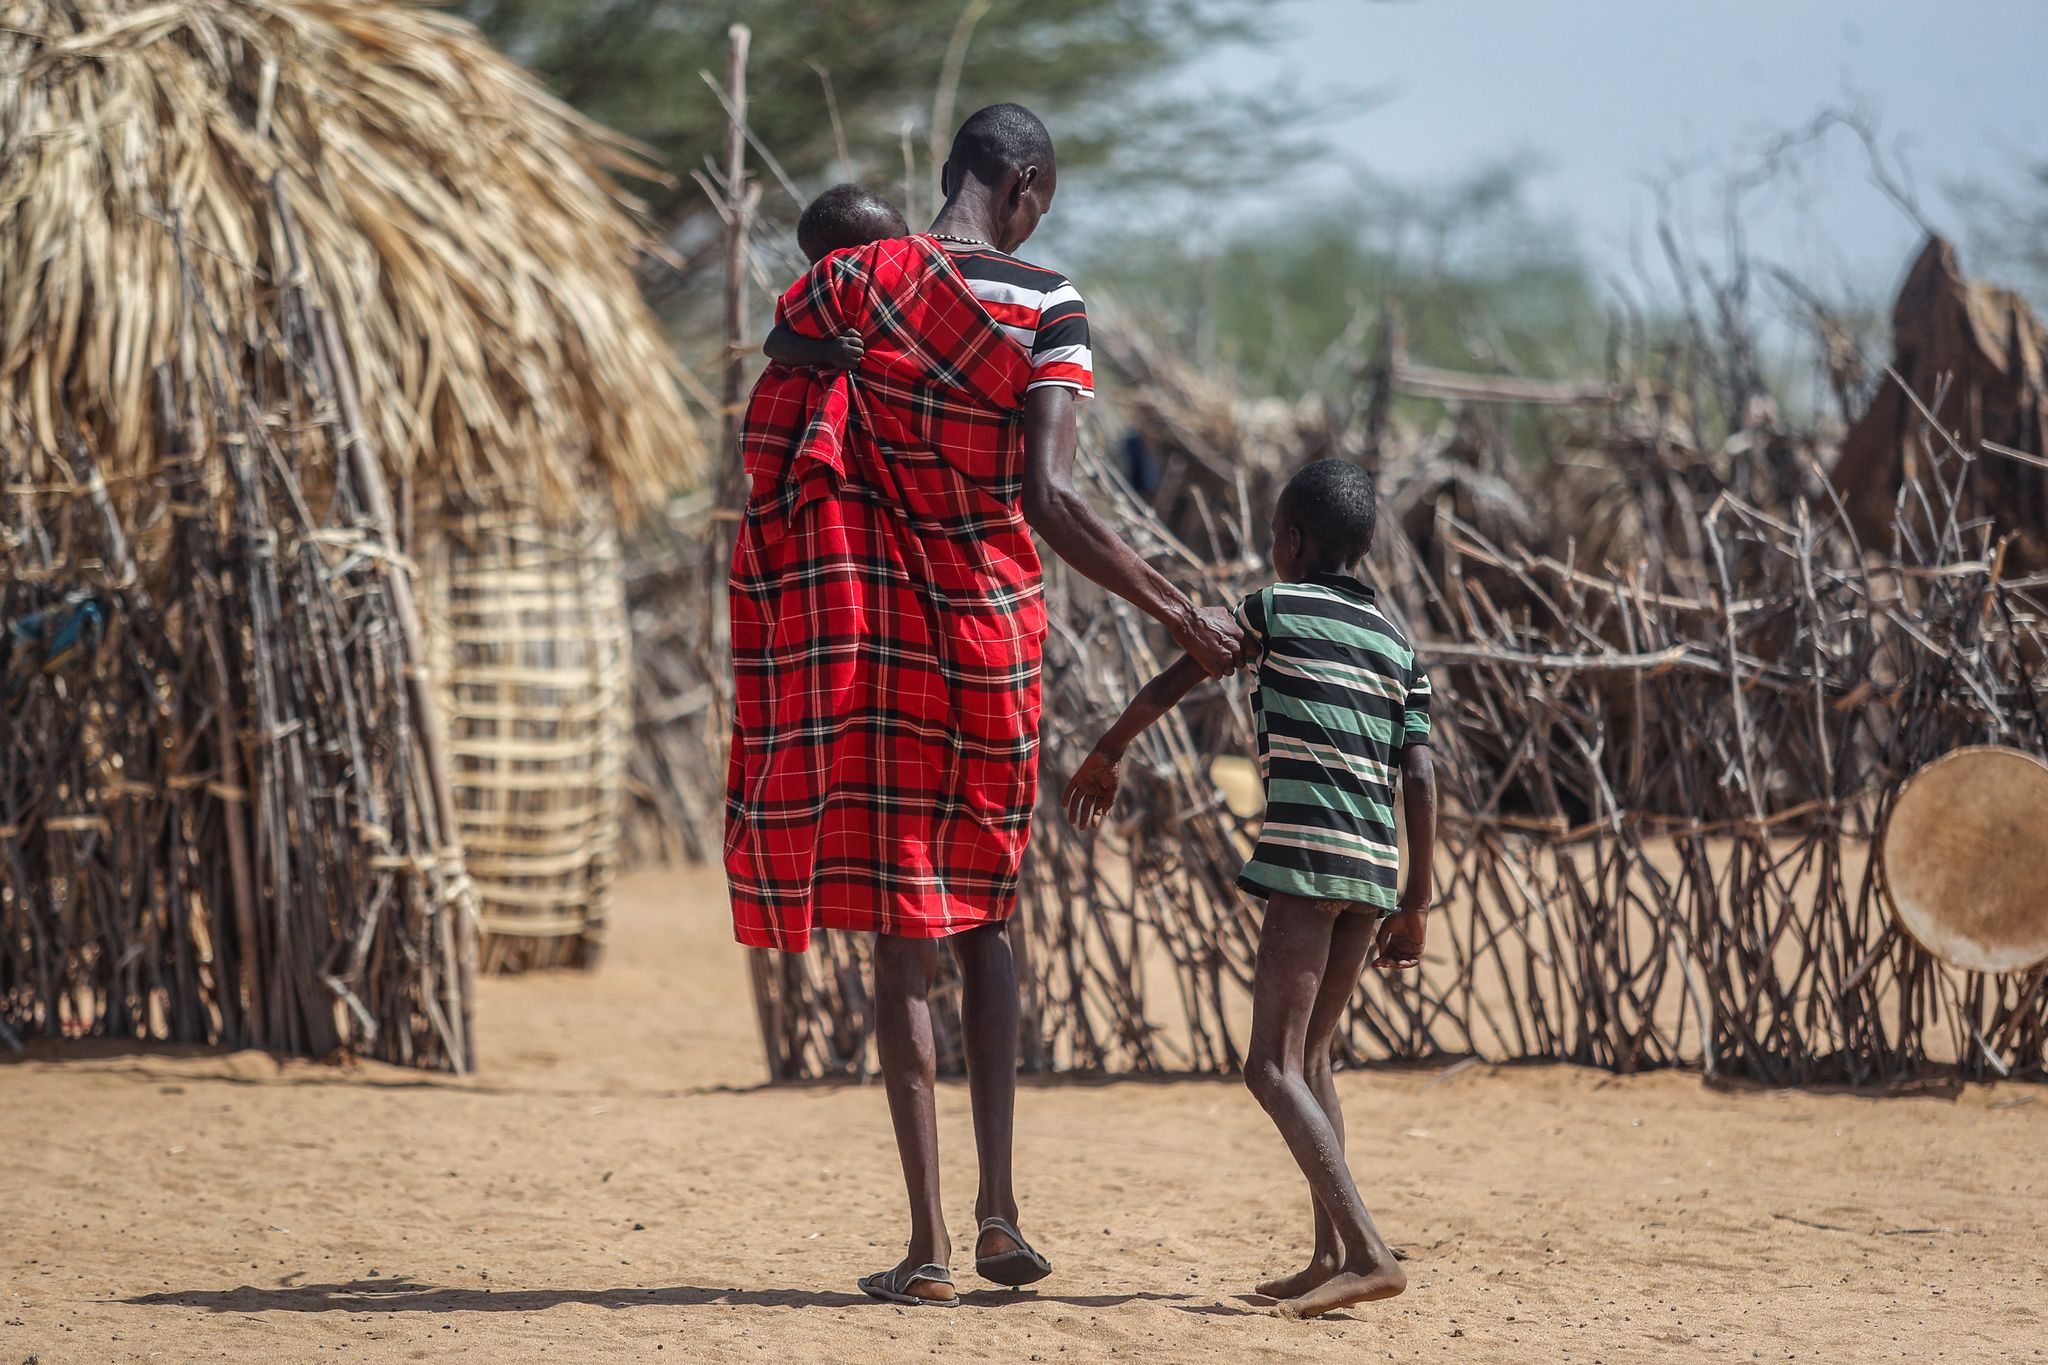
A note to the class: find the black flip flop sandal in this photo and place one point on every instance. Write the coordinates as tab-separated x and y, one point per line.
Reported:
893	1286
1021	1265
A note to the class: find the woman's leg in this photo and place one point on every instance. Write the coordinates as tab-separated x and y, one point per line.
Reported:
1294	956
988	978
904	968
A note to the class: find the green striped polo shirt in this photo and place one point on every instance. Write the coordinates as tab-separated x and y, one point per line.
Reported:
1339	695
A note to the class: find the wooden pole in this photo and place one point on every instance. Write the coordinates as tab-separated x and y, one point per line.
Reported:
939	136
737	208
739	213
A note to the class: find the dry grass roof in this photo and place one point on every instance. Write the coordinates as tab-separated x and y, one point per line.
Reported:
461	224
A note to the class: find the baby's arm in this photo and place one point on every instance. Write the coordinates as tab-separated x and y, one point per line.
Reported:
786	346
1400	938
1092	791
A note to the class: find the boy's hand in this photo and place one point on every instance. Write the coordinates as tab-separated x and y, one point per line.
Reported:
1092	791
845	351
1400	940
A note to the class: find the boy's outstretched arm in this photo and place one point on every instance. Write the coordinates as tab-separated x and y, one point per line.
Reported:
1092	790
1400	938
787	346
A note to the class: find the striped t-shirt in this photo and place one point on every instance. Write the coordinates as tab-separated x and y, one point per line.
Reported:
1338	696
1039	310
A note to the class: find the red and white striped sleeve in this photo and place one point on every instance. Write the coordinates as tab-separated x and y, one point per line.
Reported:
1059	349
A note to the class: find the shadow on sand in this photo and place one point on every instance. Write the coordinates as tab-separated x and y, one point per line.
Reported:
407	1296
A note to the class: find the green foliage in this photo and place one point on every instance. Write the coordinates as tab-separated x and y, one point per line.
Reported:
1479	280
1089	67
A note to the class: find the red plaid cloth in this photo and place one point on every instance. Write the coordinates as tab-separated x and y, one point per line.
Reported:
887	617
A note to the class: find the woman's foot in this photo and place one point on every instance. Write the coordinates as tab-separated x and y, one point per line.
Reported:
921	1254
923	1285
1001	1255
1348	1287
1319	1270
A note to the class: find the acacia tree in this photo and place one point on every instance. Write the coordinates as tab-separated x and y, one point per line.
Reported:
1093	68
1481	279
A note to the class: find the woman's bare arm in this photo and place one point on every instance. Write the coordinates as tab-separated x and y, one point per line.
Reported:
1076	534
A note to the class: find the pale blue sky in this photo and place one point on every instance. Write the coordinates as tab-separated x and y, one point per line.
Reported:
1609	94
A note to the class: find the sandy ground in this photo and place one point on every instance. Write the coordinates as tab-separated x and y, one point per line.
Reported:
613	1186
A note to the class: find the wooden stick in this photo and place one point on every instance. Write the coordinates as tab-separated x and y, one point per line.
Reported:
738	211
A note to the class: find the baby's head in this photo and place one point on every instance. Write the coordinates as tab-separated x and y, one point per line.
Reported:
1324	520
844	216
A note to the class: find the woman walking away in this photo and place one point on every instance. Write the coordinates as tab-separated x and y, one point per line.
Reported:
887	622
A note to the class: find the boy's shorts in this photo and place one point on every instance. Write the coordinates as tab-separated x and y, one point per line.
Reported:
1349	908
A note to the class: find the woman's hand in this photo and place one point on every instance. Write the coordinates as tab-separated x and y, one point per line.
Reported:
1092	791
1213	639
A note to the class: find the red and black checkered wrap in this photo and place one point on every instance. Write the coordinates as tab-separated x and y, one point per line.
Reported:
887	617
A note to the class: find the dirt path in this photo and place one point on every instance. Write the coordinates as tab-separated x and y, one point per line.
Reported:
611	1187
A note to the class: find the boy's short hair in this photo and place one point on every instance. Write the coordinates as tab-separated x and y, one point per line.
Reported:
844	216
1336	507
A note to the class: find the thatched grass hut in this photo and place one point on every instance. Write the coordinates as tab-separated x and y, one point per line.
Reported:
295	295
463	222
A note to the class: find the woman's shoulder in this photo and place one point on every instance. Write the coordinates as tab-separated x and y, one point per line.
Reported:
987	263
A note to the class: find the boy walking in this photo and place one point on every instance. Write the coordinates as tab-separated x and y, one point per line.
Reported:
1342	708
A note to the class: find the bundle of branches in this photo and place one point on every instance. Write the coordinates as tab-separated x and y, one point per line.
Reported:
1660	851
682	687
1200	455
230	822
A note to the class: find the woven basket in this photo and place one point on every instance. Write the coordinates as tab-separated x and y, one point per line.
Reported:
531	648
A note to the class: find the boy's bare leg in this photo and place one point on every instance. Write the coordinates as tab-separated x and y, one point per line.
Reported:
1351	946
988	979
904	969
1294	956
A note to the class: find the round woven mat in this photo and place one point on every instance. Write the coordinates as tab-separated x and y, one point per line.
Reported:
1966	858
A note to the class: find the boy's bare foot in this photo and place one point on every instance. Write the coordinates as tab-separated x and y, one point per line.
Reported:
1319	1270
1346	1288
